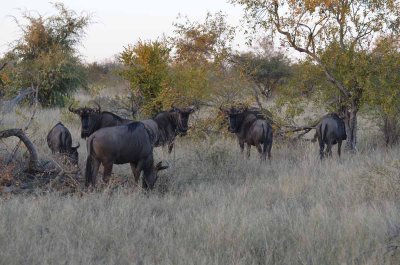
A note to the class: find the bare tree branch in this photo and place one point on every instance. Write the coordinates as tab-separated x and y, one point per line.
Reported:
34	158
26	127
4	65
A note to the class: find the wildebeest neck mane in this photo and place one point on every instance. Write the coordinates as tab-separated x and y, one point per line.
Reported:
113	114
163	119
167	123
136	124
133	125
246	121
259	115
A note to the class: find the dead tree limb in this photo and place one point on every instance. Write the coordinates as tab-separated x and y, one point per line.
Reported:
33	154
4	65
298	129
9	105
26	126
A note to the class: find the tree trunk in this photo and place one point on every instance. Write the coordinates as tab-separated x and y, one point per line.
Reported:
33	154
391	130
257	98
351	128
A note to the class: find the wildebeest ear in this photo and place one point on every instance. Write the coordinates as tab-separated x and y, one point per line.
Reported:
159	166
225	111
71	109
98	107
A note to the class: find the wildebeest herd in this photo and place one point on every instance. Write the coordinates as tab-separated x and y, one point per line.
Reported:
114	140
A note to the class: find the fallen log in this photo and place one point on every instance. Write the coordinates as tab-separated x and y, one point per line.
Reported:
9	105
33	165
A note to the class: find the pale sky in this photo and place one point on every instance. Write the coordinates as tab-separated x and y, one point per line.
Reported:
118	22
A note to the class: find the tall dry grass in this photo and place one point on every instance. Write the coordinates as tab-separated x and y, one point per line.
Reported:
214	207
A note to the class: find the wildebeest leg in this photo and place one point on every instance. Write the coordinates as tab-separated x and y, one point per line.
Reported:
92	168
339	147
241	145
170	147
248	150
148	174
107	171
321	149
136	172
329	148
269	150
144	184
260	151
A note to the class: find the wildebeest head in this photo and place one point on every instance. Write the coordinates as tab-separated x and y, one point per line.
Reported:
151	180
236	116
89	118
183	118
73	154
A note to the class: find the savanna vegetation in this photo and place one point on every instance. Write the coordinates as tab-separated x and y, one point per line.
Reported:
212	206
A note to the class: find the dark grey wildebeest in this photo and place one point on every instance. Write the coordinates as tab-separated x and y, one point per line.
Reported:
251	129
59	140
330	130
166	125
131	143
93	119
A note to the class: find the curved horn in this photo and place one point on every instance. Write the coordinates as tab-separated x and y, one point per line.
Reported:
98	107
72	109
160	166
223	110
192	108
173	107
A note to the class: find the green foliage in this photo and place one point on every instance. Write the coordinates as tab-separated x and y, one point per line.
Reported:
185	70
203	43
336	35
383	92
147	71
201	50
46	57
266	69
352	67
383	83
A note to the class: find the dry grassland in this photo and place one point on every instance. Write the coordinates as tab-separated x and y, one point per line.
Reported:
214	207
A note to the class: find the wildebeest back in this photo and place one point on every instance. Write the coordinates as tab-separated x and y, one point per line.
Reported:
341	126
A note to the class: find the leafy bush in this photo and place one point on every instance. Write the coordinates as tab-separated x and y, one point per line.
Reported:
46	57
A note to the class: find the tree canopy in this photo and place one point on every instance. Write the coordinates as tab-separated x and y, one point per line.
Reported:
46	55
147	71
334	34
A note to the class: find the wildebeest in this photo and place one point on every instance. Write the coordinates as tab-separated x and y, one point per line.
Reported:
130	143
59	140
166	125
94	119
251	129
330	130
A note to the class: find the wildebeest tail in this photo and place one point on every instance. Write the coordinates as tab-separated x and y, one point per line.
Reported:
49	143
323	133
89	163
63	142
267	140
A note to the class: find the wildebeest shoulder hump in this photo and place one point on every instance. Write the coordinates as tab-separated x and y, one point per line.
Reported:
113	114
133	126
